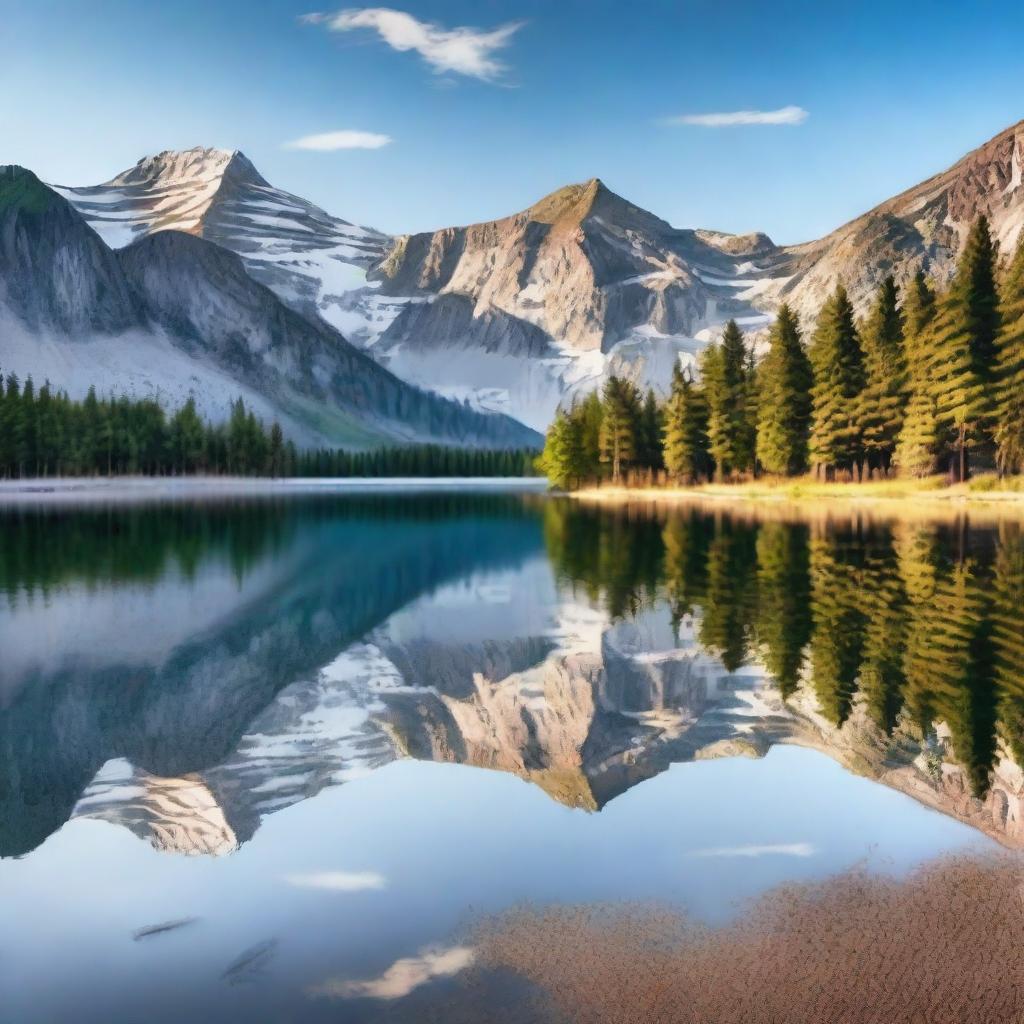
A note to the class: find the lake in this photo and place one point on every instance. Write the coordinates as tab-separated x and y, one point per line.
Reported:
274	758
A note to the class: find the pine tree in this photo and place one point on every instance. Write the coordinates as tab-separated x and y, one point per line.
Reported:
187	438
589	414
838	363
649	454
784	378
917	447
883	397
729	426
562	455
619	425
685	430
276	450
1009	430
962	360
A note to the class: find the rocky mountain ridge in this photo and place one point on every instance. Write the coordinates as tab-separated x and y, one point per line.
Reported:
522	313
172	315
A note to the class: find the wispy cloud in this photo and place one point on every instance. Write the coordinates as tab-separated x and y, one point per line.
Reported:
727	119
464	51
327	142
401	977
764	850
338	881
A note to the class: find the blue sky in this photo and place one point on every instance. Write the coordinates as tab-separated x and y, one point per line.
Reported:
893	92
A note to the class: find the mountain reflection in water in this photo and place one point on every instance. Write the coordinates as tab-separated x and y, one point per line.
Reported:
185	671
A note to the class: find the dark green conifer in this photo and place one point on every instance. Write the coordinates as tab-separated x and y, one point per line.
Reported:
883	397
962	358
917	446
784	378
685	432
838	363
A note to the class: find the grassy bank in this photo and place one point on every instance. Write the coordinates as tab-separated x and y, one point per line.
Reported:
983	488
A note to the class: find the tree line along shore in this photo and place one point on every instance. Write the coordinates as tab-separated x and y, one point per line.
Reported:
929	382
44	433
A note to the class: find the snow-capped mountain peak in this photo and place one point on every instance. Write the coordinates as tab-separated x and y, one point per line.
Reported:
197	164
309	258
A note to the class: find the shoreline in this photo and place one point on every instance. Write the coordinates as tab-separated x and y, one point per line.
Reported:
883	497
70	490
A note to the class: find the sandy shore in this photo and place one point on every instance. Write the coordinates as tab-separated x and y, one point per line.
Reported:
78	490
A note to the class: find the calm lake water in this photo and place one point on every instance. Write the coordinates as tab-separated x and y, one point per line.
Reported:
271	759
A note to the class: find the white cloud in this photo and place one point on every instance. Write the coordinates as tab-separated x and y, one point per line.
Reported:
338	881
401	977
784	115
765	850
327	142
465	51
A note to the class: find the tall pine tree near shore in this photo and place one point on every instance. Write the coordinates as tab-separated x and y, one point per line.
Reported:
962	359
619	425
562	455
883	397
838	363
726	385
1009	431
784	413
917	447
686	430
649	453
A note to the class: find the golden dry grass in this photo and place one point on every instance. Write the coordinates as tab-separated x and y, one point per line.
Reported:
943	947
984	497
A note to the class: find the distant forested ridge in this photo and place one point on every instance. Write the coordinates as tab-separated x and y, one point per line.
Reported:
929	381
44	433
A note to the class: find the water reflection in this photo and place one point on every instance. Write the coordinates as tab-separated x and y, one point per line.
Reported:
158	667
917	629
187	671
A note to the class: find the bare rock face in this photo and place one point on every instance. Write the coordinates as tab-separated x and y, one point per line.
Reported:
53	269
583	281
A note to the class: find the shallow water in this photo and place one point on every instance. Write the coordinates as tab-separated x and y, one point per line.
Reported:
273	758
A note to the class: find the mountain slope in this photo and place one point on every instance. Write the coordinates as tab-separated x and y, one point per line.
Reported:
175	315
922	228
309	258
583	282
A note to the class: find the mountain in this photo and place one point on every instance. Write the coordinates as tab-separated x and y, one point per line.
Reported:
922	228
308	257
175	315
587	284
521	314
528	309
